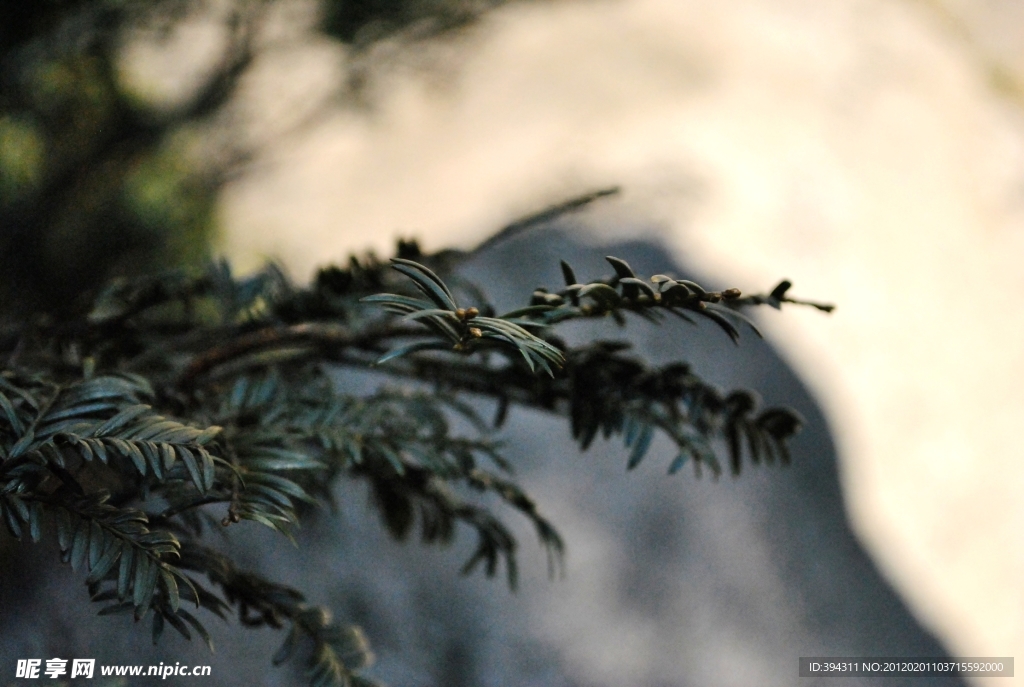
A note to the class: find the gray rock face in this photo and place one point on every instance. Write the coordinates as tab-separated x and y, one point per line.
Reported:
670	580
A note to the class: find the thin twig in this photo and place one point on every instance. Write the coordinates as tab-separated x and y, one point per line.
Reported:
548	214
326	336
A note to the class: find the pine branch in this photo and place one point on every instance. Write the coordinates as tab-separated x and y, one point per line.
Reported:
338	650
230	403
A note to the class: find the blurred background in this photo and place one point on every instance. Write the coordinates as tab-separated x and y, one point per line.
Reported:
872	151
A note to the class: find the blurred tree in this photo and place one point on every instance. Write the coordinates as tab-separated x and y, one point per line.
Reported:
98	180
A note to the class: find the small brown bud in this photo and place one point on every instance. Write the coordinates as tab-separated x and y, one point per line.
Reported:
461	313
471	313
732	293
475	333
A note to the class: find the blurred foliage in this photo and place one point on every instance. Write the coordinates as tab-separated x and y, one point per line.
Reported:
96	181
89	186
